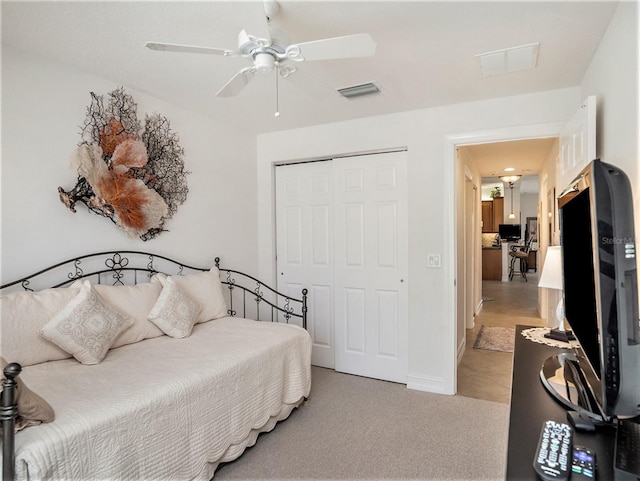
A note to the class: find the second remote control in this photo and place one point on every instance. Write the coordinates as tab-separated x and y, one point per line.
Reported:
583	463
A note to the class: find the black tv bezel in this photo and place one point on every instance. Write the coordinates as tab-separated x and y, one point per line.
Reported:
616	383
510	237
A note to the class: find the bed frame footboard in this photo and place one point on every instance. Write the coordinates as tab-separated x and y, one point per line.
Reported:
259	301
8	415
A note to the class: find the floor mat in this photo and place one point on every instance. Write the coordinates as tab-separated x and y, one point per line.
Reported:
495	339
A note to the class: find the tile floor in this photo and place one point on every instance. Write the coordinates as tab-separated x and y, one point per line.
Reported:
486	374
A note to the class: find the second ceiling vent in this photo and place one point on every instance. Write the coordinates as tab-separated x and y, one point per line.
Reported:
508	60
361	90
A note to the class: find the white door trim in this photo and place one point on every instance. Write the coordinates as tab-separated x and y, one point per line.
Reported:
551	129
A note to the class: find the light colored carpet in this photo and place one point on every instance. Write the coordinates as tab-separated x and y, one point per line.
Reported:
354	428
495	339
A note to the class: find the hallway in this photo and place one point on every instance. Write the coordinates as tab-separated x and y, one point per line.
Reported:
484	374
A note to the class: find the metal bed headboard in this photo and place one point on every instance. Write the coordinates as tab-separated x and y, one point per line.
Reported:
246	295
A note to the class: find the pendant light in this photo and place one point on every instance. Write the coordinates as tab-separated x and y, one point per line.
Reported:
511	215
510	179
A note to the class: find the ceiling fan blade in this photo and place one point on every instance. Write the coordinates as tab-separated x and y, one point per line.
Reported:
172	47
237	82
349	46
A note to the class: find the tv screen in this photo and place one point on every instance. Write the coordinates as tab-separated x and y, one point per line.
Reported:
509	231
600	285
579	275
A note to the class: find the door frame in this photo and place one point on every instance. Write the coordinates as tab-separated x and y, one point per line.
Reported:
452	191
471	239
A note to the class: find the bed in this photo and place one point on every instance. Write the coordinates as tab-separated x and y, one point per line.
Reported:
162	407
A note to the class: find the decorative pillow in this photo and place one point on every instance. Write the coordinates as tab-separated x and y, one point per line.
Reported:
136	301
206	289
32	409
174	312
87	326
22	315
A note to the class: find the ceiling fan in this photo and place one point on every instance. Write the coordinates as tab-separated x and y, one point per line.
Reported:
275	52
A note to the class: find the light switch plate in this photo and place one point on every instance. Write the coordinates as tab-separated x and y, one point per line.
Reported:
433	261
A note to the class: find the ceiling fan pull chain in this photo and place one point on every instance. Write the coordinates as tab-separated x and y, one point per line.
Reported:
277	114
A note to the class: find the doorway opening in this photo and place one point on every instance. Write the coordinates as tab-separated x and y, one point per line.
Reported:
498	302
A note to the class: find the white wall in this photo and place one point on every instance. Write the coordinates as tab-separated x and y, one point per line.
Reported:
547	298
431	201
528	208
613	77
43	107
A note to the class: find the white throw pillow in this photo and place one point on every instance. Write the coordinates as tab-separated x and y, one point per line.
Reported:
22	315
174	312
135	301
206	289
87	326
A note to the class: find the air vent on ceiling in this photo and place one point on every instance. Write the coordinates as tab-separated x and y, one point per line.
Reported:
362	90
509	60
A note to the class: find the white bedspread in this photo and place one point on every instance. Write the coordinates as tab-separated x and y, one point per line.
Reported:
166	408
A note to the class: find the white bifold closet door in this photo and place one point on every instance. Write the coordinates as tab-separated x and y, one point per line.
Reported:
342	233
304	247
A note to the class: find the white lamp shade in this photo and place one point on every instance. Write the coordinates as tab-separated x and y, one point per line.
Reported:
551	277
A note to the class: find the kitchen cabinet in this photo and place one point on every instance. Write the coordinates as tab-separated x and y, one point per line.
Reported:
532	261
492	214
498	213
491	264
487	216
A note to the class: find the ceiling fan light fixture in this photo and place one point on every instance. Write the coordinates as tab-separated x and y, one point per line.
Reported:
264	62
359	91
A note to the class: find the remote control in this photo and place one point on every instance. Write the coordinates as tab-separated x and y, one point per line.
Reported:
554	450
583	463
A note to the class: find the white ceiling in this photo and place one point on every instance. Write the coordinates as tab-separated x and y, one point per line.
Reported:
425	55
526	157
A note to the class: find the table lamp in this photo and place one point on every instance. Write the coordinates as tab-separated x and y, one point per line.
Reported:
551	278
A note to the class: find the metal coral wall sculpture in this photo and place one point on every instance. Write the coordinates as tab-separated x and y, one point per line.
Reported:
133	176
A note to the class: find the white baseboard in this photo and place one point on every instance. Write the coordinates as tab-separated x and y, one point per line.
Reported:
461	348
427	384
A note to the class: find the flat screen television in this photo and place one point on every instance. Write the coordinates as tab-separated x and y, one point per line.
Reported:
510	232
599	265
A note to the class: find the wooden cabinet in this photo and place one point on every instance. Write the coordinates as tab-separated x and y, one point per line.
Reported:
532	261
487	216
491	264
492	214
498	213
